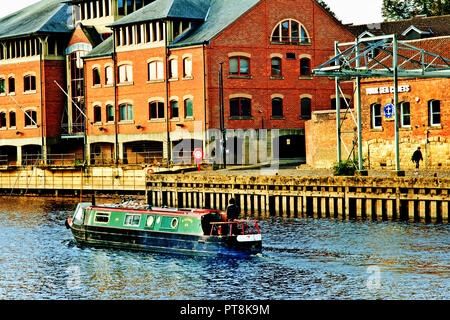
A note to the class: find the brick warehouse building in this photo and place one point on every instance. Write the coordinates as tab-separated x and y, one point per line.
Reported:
143	75
423	108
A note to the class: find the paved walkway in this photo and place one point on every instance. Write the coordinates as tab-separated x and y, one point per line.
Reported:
295	169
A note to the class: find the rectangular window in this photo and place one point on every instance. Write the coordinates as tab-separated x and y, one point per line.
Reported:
240	107
276	67
120	7
126	112
239	66
173	69
109	113
2	119
305	108
12	119
2	86
30	118
434	109
187	67
405	114
376	116
11	85
102	217
29	83
188	108
132	220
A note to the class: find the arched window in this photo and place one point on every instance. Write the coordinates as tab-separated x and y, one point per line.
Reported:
305	105
108	75
277	107
96	77
2	85
240	107
125	112
174	112
434	112
109	113
276	67
289	31
125	73
97	114
155	70
239	66
156	110
305	67
188	108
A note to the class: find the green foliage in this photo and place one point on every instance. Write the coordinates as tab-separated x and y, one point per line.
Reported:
406	9
346	168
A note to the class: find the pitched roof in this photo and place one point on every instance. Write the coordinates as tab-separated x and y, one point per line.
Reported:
436	26
46	16
221	14
162	9
104	49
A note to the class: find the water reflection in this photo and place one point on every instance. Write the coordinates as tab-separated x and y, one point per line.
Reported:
301	259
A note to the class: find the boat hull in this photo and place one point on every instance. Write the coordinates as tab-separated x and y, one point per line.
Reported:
146	240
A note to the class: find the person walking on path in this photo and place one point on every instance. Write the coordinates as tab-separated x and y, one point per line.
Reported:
416	157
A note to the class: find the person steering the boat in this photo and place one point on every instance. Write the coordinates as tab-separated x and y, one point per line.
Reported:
233	214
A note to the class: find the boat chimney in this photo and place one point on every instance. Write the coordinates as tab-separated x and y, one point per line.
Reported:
93	200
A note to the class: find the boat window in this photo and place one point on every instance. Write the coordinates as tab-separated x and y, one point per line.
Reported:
132	220
102	217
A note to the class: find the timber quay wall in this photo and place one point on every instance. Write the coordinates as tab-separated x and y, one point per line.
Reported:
373	198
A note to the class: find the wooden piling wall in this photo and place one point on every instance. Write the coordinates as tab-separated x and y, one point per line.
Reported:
372	198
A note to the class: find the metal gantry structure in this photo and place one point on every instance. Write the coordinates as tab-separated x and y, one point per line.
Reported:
382	57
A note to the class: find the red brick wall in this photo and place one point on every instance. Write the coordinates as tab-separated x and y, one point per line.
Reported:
251	34
141	91
24	100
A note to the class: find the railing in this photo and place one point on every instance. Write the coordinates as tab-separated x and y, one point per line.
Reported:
235	227
152	157
54	159
3	160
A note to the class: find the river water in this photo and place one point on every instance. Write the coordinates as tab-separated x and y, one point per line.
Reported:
301	259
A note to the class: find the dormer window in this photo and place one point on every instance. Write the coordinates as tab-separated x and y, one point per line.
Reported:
289	31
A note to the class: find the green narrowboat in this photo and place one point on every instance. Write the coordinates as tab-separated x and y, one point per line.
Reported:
162	229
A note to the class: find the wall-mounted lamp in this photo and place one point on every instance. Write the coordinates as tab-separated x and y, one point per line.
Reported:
101	129
139	127
179	125
18	132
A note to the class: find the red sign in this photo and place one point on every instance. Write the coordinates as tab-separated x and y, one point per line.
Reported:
198	156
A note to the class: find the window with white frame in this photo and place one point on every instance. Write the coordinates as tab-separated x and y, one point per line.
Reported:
125	73
376	116
434	113
155	70
405	114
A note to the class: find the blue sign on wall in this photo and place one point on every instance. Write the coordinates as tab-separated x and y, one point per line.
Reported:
388	110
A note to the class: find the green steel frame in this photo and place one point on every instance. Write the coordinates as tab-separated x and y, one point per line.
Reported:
393	58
